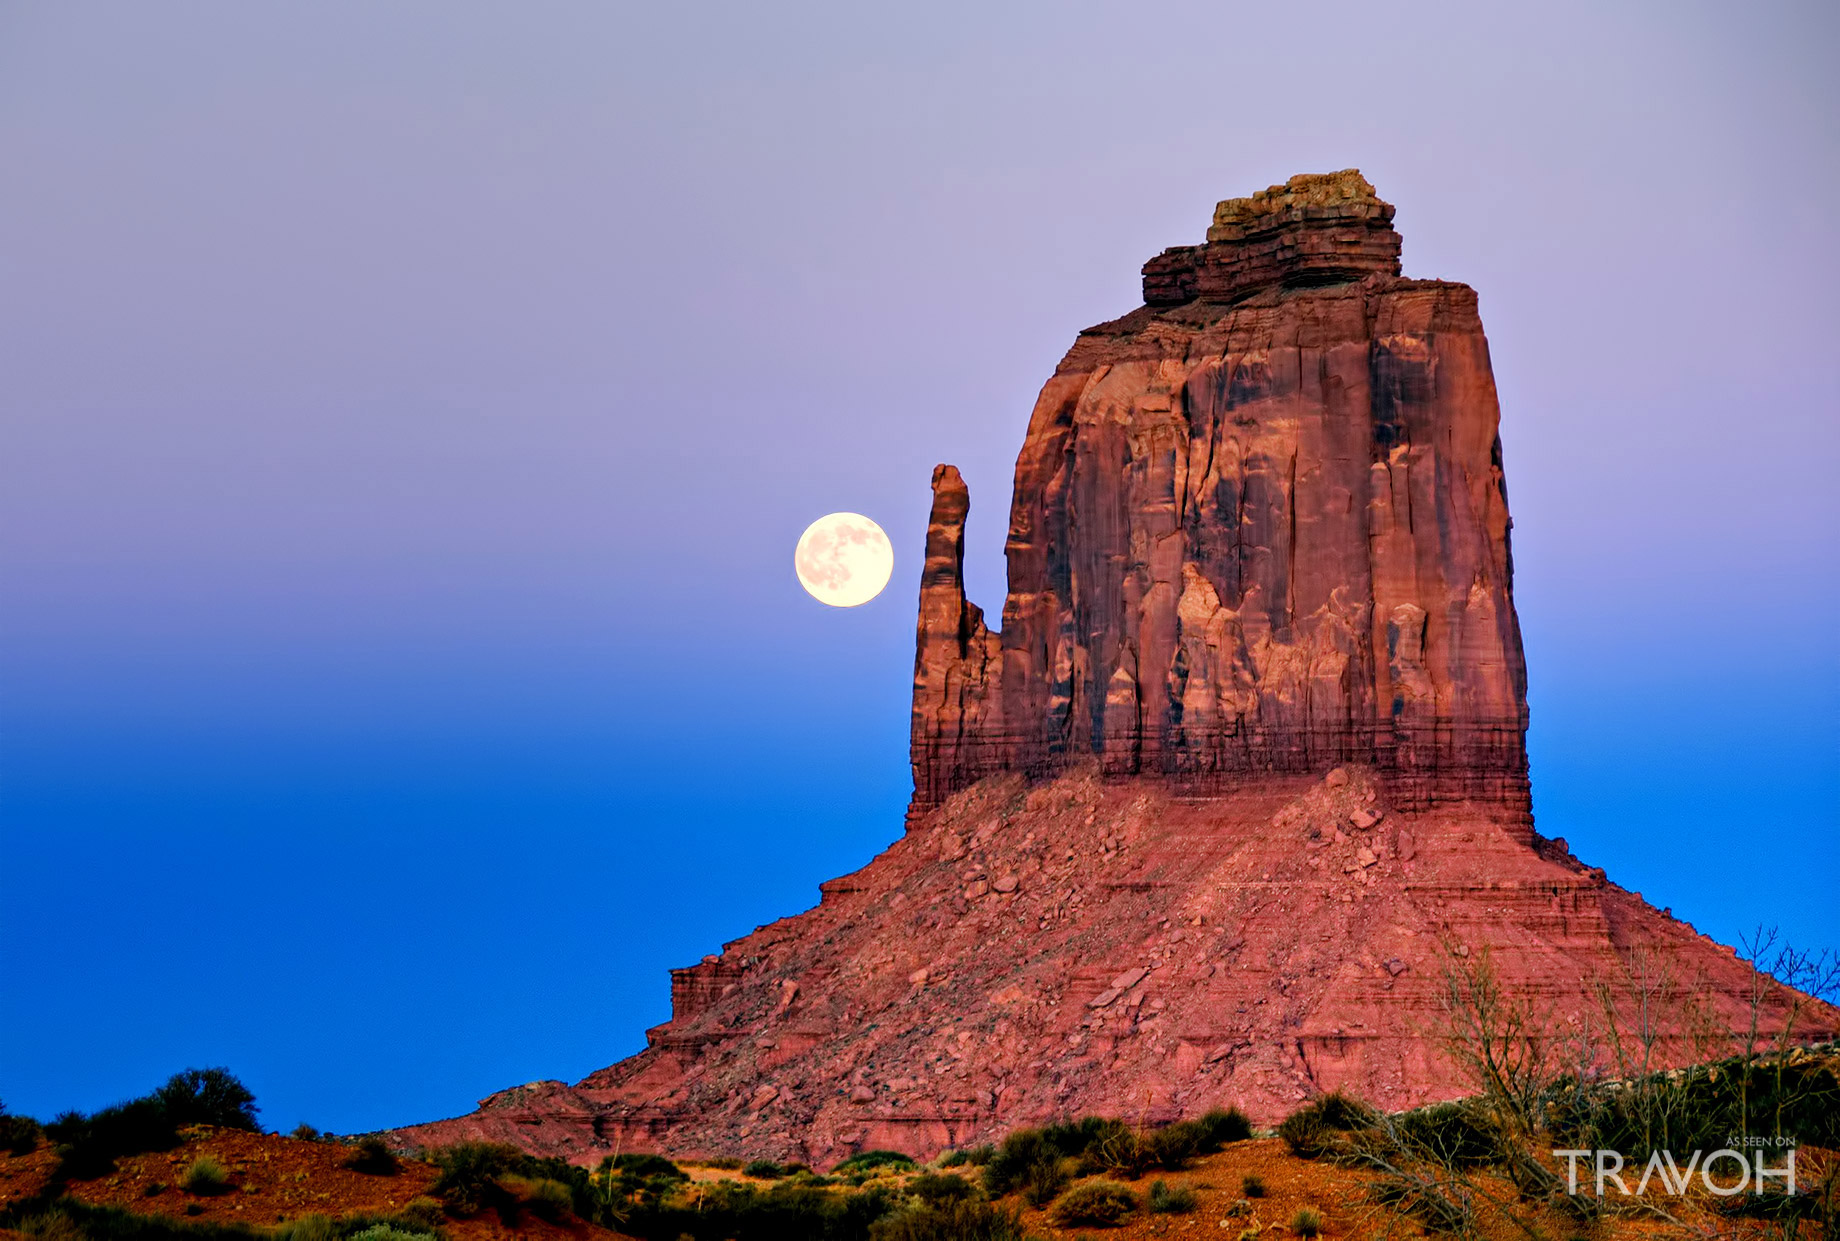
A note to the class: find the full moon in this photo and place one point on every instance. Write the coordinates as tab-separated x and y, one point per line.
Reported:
843	559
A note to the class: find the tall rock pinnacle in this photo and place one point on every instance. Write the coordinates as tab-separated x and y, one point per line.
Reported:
1259	525
1240	779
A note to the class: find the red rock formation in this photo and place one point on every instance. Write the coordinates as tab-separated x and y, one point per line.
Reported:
1241	777
1259	525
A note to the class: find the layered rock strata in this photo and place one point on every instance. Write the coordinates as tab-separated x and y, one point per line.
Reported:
1241	779
1259	525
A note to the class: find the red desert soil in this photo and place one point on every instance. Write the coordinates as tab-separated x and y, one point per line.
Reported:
272	1179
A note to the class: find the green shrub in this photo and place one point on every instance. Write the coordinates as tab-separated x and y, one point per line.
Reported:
1454	1134
541	1196
728	1163
373	1156
1171	1200
646	1166
962	1220
1307	1222
952	1159
935	1188
303	1132
870	1161
762	1170
18	1134
90	1145
67	1219
978	1156
1224	1125
1043	1180
1113	1146
308	1228
1079	1136
208	1097
1007	1166
782	1211
204	1177
1252	1185
1097	1204
469	1176
1316	1129
421	1214
387	1232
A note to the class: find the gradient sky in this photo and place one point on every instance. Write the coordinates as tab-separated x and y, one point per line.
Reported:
410	410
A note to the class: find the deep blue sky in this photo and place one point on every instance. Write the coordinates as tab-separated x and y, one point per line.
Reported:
409	411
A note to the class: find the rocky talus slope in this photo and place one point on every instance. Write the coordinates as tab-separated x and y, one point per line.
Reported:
1240	778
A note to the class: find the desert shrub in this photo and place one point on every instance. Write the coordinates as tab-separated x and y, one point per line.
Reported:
1315	1130
934	1188
1076	1137
1171	1200
952	1159
363	1227
68	1219
308	1228
1224	1125
728	1163
208	1097
1008	1164
1454	1134
51	1226
648	1166
541	1196
978	1156
421	1213
1174	1147
469	1176
372	1155
1440	1203
782	1211
18	1134
90	1144
1043	1180
762	1170
387	1232
303	1132
870	1161
1097	1204
1684	1110
1115	1147
962	1220
1252	1185
1307	1222
205	1176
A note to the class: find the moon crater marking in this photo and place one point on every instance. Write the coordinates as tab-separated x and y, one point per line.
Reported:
843	559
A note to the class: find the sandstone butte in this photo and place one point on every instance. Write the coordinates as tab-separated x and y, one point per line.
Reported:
1241	775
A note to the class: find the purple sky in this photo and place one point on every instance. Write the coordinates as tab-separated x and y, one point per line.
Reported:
409	412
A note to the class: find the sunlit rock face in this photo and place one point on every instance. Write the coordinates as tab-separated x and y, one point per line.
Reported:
1259	525
1238	781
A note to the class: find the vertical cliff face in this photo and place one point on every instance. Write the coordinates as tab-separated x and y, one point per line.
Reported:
1259	525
